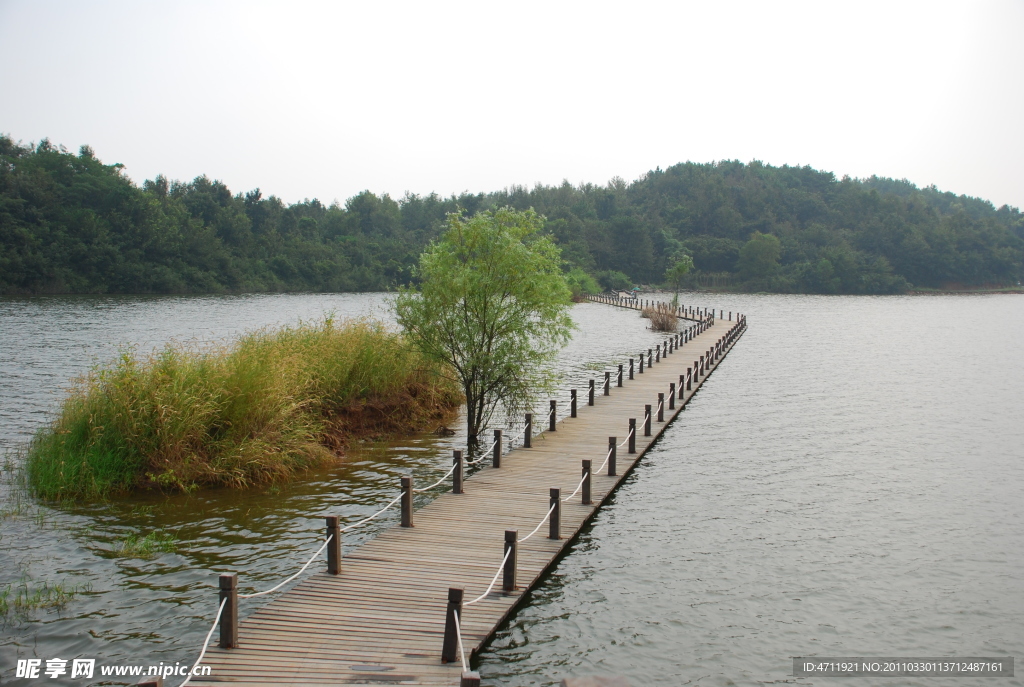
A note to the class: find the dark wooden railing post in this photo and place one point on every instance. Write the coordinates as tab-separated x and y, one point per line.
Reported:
661	407
671	395
657	354
647	420
641	362
470	678
607	383
407	502
650	357
552	415
229	615
590	397
613	448
508	574
334	545
572	402
457	473
689	377
586	481
730	315
496	456
528	431
632	435
450	646
620	376
631	368
682	386
555	520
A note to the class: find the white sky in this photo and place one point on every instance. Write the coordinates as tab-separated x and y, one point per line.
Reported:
327	99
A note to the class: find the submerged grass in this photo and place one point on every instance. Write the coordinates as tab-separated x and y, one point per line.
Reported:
254	411
134	546
25	596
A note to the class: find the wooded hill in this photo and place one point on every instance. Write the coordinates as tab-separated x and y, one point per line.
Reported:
71	224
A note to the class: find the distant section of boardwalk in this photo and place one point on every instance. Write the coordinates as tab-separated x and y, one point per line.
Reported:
381	620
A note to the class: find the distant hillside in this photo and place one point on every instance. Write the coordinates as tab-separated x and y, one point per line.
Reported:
71	224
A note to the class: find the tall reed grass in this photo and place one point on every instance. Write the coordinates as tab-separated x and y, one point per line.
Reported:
663	318
257	410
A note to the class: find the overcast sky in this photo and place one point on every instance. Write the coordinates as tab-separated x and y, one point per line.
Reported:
324	100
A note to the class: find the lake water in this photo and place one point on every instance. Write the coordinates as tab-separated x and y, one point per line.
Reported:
848	483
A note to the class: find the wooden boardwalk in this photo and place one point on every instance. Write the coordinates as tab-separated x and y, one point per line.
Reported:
381	620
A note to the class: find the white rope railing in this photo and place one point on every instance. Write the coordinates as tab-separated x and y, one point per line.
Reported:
493	581
458	633
206	643
484	454
624	441
578	487
539	525
366	520
450	471
606	459
301	570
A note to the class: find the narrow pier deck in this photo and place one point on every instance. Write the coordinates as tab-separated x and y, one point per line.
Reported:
382	619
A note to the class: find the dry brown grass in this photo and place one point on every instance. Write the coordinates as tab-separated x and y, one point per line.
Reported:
662	318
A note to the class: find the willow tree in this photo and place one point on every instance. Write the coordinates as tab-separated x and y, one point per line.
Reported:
492	303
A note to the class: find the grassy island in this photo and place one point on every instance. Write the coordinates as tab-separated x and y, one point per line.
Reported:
252	411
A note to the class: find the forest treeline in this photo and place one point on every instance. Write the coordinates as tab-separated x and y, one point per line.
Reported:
72	224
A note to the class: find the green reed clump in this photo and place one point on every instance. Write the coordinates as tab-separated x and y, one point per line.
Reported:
27	596
136	546
257	410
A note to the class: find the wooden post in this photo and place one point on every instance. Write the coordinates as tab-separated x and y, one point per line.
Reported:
528	432
631	368
682	386
151	681
607	383
450	646
229	615
572	402
657	354
496	457
671	395
641	362
632	435
458	473
613	448
334	545
554	522
650	357
620	376
586	482
730	315
661	407
689	377
647	420
508	574
407	502
590	398
470	678
552	415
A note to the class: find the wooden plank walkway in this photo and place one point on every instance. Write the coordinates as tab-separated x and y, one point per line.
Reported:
381	621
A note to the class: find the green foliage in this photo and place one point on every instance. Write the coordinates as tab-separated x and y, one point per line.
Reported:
759	257
680	267
253	411
613	280
492	306
71	224
580	284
